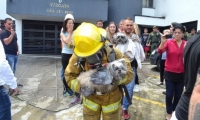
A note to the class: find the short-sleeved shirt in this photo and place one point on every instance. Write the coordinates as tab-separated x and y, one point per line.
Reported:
66	49
192	68
144	39
12	47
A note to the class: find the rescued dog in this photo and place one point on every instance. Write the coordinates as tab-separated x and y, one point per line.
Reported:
120	38
117	70
124	44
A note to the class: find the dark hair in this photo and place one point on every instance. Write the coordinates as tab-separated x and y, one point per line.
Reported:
115	26
7	19
99	21
175	24
193	29
180	26
64	24
128	18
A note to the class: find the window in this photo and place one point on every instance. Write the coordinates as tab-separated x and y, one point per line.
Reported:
147	3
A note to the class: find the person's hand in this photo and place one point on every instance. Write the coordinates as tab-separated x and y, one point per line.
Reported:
163	38
12	32
18	52
148	44
13	92
70	29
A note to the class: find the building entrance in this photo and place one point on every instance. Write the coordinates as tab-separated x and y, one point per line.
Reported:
41	37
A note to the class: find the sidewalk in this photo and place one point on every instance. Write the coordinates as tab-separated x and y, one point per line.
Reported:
41	97
43	87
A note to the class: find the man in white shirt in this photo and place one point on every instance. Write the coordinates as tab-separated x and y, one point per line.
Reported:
6	77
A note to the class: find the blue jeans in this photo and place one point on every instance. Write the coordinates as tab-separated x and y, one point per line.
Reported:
129	87
173	94
12	60
5	105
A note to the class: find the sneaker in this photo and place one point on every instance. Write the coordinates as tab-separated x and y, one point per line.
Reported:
125	114
160	83
68	95
75	99
136	88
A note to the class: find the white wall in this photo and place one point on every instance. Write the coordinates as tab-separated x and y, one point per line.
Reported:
183	11
141	20
160	7
18	23
178	10
148	11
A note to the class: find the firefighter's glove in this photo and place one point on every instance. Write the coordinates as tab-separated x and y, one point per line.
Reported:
101	77
86	91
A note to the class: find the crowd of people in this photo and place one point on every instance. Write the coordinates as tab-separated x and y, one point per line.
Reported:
87	51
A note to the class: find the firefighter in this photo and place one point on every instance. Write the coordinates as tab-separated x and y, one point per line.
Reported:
88	42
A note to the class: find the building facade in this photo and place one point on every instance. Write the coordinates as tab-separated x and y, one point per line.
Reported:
38	22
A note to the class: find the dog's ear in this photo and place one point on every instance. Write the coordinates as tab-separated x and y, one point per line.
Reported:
122	61
113	67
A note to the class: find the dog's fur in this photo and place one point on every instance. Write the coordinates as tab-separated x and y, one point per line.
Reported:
120	38
117	69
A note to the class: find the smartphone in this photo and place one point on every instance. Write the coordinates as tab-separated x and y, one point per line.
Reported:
13	27
168	36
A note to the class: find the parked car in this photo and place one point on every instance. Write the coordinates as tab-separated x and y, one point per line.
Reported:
155	58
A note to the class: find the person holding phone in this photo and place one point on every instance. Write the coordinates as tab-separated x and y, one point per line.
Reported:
163	57
9	41
174	67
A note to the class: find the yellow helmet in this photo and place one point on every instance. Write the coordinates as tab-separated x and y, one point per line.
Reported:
87	40
103	33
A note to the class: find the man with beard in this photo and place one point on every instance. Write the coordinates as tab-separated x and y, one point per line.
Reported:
128	31
188	107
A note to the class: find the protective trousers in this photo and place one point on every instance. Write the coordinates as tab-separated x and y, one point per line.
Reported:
107	104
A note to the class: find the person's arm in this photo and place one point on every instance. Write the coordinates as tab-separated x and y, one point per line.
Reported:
194	107
163	45
65	39
6	74
9	39
71	73
148	40
18	51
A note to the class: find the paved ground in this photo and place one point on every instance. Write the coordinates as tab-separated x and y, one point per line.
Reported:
41	97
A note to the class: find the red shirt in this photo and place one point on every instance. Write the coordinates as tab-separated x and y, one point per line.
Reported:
174	58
